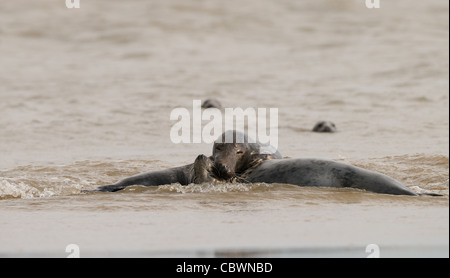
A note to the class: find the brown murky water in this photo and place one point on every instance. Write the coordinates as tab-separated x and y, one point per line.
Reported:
86	95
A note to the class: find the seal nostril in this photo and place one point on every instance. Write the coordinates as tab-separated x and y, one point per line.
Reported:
223	171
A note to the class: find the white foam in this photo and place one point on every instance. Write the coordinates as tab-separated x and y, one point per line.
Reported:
10	189
209	187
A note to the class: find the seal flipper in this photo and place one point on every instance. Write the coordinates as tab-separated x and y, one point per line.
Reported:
109	188
105	188
430	194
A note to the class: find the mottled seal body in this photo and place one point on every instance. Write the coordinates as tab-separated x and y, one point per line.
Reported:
323	173
244	162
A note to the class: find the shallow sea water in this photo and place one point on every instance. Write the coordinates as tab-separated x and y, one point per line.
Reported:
86	96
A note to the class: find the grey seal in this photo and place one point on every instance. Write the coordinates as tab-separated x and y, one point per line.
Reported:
324	126
211	103
324	173
248	161
248	153
235	162
201	171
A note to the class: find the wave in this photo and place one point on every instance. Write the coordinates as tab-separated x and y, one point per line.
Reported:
10	189
215	188
420	172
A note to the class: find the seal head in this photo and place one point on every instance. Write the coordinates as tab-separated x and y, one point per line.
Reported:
234	152
203	169
325	126
211	103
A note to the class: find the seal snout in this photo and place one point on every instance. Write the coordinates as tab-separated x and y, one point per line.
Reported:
223	171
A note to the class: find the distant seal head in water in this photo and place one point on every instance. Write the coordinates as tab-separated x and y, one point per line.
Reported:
211	103
324	126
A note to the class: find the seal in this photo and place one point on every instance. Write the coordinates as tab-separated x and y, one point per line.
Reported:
243	162
324	126
239	158
201	171
211	103
227	160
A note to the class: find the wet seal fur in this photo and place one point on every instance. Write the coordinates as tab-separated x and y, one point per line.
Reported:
198	172
234	158
182	175
324	173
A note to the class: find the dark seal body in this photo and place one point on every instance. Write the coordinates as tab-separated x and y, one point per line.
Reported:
183	175
198	172
323	173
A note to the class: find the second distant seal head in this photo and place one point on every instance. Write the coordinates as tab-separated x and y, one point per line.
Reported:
325	126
